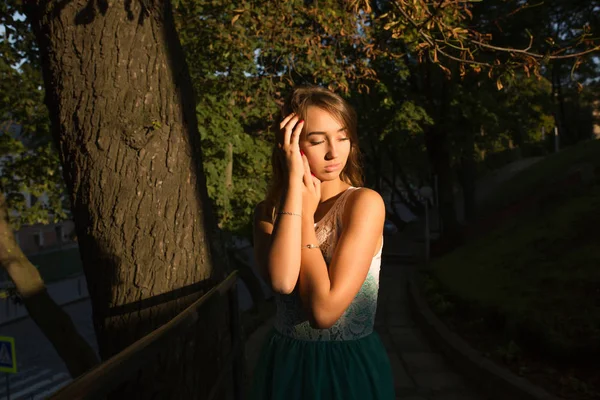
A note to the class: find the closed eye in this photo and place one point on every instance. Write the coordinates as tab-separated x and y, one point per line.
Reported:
340	140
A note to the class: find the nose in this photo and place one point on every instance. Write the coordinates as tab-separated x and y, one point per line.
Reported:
332	151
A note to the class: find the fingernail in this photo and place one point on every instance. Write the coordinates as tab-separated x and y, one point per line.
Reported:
301	121
312	174
301	153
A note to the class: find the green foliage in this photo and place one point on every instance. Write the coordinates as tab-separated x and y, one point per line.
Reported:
28	160
509	352
243	58
538	272
219	127
37	172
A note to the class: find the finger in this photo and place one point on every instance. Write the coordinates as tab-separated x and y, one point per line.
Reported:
288	130
295	138
317	184
307	175
285	120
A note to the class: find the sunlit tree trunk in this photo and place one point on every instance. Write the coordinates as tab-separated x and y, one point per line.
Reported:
123	118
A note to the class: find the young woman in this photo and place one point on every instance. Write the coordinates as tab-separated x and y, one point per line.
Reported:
318	240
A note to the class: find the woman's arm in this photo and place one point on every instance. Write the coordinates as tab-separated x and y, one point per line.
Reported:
327	294
277	247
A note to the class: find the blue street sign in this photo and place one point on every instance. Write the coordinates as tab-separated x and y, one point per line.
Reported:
8	357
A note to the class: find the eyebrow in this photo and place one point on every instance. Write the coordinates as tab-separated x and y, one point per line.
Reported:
323	133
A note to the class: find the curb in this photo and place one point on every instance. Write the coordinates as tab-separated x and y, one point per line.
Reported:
495	381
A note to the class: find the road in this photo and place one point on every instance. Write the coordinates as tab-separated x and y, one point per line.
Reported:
40	371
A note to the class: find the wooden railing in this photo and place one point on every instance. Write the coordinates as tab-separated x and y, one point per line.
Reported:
105	377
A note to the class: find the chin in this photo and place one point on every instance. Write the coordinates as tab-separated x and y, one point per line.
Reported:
327	177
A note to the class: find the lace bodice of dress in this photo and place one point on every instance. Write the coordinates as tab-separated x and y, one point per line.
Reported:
358	320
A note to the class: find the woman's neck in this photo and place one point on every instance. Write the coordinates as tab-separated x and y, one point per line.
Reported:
330	189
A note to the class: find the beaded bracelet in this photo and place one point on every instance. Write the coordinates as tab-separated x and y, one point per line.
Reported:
289	213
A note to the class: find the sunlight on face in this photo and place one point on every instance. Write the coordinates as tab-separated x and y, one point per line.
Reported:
326	144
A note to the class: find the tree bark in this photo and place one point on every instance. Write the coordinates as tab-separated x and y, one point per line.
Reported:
559	100
56	324
123	118
436	141
467	176
439	156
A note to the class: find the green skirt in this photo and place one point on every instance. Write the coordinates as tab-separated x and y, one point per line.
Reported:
292	369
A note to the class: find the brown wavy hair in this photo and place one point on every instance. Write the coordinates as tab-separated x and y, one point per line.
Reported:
298	102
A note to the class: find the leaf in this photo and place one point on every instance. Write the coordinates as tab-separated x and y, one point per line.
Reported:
390	25
499	84
237	16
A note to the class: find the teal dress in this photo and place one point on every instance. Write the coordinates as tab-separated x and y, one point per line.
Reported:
347	361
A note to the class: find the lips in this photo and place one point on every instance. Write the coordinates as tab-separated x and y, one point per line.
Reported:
333	167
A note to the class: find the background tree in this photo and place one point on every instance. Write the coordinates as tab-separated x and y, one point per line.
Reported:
439	42
123	118
243	57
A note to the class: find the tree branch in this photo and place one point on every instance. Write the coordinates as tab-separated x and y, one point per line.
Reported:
434	44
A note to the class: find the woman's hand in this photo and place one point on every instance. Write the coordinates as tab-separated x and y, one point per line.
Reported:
290	130
311	192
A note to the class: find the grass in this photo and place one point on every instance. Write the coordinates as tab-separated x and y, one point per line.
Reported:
57	265
541	174
541	270
534	283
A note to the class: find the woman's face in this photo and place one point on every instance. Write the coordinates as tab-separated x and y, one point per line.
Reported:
325	143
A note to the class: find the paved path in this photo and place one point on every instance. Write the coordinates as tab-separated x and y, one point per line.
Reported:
420	372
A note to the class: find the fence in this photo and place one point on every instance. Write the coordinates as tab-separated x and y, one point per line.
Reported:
106	376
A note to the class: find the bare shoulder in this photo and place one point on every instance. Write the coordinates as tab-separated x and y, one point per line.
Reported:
365	197
366	203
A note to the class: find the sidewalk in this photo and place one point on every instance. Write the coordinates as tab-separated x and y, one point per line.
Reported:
420	371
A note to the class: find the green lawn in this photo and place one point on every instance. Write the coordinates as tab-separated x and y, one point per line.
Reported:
539	273
58	265
541	174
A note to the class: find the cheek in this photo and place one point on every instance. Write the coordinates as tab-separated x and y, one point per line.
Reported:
311	161
347	149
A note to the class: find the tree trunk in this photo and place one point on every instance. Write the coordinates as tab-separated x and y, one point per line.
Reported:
439	156
467	176
559	100
436	141
123	118
56	324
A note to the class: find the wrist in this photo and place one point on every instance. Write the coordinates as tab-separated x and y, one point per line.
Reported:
308	218
293	183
